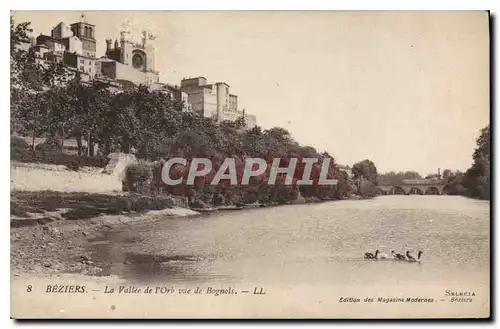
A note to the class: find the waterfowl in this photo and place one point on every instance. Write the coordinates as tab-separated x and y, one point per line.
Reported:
397	256
412	259
369	255
383	255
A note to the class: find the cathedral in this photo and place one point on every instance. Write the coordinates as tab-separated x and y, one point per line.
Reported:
130	61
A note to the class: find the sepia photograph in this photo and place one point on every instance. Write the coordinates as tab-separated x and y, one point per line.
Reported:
250	164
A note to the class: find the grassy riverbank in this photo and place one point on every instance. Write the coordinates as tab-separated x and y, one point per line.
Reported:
29	208
40	207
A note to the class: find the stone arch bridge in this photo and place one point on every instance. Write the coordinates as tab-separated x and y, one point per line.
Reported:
414	186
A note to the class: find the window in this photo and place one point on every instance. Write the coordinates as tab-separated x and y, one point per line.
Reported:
82	61
82	69
90	62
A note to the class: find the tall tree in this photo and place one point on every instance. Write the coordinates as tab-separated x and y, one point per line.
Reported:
477	178
19	34
365	169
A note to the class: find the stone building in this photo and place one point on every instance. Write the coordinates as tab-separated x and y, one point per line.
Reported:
131	61
85	32
174	92
214	100
82	63
250	121
74	46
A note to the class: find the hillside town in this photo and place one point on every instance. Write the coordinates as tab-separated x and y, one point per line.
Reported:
127	63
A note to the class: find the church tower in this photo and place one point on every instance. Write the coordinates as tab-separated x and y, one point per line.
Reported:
126	48
149	50
86	33
150	58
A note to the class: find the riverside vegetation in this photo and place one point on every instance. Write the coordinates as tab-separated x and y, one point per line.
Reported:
474	183
49	100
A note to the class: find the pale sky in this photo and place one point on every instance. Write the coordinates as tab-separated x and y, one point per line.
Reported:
407	90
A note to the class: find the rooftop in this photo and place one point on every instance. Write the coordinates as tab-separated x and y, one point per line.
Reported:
81	23
222	83
48	37
200	77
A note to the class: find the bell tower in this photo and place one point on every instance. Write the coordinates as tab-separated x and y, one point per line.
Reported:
86	33
126	46
149	49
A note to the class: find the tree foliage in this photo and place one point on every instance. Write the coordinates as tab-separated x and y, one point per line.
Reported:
396	178
19	33
365	178
475	182
477	179
365	169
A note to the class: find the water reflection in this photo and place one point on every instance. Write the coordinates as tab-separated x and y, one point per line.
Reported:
318	243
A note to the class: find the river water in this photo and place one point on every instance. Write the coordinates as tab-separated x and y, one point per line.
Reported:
299	261
315	243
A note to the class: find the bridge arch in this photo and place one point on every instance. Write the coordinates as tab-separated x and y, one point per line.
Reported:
432	190
428	187
415	190
397	190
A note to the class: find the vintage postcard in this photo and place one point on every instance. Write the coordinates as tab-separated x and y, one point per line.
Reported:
250	164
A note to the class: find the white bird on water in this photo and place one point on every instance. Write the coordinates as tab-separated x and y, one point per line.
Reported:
383	255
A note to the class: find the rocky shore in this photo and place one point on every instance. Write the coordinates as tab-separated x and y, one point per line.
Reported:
59	246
